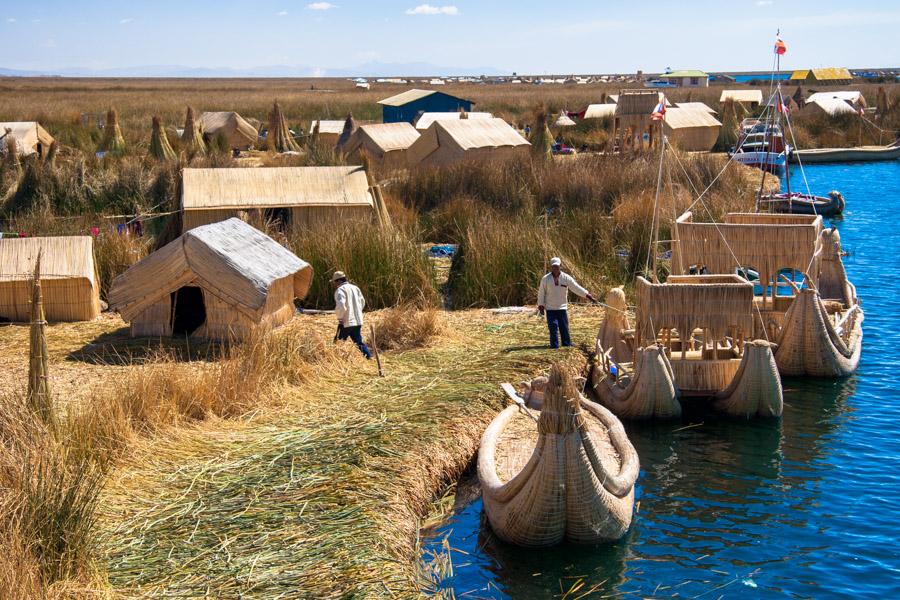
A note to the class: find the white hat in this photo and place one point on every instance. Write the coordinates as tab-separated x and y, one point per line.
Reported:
555	262
338	275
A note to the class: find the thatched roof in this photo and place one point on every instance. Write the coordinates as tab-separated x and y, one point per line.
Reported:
599	111
27	135
681	118
831	107
448	141
328	126
236	130
205	189
230	259
745	96
426	119
689	302
481	133
637	102
853	97
563	120
383	136
62	257
696	106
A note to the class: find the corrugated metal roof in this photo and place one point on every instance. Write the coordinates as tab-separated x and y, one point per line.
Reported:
750	96
406	97
426	119
481	133
680	118
62	257
204	189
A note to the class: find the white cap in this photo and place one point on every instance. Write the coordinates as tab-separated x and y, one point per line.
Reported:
555	262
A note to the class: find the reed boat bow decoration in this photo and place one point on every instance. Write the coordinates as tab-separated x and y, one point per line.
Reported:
567	474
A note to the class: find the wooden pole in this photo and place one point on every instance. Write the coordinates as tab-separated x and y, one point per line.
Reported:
375	350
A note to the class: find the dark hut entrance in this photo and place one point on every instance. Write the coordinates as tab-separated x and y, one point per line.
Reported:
188	310
278	217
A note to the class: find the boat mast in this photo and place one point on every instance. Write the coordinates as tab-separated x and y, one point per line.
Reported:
654	239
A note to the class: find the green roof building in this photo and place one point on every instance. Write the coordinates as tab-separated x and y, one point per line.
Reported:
687	78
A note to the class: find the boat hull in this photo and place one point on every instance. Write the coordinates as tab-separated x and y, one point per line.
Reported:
768	161
802	204
833	155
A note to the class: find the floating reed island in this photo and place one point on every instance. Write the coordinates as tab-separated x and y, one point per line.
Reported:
563	472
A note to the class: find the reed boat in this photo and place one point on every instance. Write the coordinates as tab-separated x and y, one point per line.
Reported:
857	154
795	203
804	300
692	341
565	472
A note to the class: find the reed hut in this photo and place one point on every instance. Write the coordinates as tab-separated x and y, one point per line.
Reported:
29	137
69	278
426	119
632	117
160	149
600	111
327	132
696	106
449	142
690	129
191	137
113	141
279	138
854	98
385	144
230	126
826	106
216	282
749	98
291	196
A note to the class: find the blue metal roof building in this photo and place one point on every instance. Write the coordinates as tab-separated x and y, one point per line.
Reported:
410	104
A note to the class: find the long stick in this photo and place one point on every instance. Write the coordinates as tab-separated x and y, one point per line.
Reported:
375	349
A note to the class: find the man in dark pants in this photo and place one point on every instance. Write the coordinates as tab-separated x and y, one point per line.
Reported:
348	308
553	297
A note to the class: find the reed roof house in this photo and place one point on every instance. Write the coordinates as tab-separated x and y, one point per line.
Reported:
448	142
218	282
385	144
237	131
687	78
426	119
29	137
749	98
408	105
69	279
826	76
291	196
330	130
827	106
691	129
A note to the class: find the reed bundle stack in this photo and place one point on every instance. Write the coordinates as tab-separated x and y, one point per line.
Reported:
279	138
570	476
541	137
39	398
347	132
112	142
755	390
160	149
191	137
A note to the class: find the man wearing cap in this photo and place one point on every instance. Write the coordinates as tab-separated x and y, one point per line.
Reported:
348	307
553	297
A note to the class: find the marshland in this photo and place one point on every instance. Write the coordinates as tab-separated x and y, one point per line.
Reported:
283	465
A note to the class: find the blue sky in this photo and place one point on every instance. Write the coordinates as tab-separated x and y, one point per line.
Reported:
525	36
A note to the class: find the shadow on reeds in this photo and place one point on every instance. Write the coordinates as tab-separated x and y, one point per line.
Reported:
118	348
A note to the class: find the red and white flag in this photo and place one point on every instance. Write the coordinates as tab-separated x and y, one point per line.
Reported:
659	112
780	47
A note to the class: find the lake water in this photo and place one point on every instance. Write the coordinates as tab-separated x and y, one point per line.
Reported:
807	506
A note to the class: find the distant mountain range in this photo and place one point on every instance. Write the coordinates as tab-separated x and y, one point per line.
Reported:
370	69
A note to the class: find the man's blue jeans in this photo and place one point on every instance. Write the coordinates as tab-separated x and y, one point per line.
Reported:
558	323
355	334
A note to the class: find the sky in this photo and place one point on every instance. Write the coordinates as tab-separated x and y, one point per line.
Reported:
526	36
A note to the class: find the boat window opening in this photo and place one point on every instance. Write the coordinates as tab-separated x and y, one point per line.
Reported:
783	288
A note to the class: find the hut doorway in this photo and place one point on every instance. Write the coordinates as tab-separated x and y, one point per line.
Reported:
188	310
278	217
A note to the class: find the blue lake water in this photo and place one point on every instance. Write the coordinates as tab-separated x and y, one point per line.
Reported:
803	507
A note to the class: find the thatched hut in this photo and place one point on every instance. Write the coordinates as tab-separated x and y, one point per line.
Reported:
448	142
749	98
292	196
327	131
600	111
826	106
385	144
633	111
696	106
426	119
219	282
29	137
230	126
690	129
69	278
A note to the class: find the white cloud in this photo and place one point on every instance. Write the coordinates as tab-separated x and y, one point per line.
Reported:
10	20
321	6
282	13
427	9
764	2
126	21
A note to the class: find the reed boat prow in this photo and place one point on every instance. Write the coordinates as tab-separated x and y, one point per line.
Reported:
566	473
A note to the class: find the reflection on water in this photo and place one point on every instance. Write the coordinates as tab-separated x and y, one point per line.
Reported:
804	506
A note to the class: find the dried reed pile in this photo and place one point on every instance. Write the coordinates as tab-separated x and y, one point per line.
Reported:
160	149
113	142
279	138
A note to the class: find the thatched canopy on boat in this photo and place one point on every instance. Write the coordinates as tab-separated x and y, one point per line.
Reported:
69	278
216	281
766	243
719	303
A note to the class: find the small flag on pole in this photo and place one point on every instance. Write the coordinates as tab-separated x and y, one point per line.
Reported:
780	47
783	108
659	112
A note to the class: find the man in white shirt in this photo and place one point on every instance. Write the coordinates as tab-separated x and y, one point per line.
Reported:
553	297
348	308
